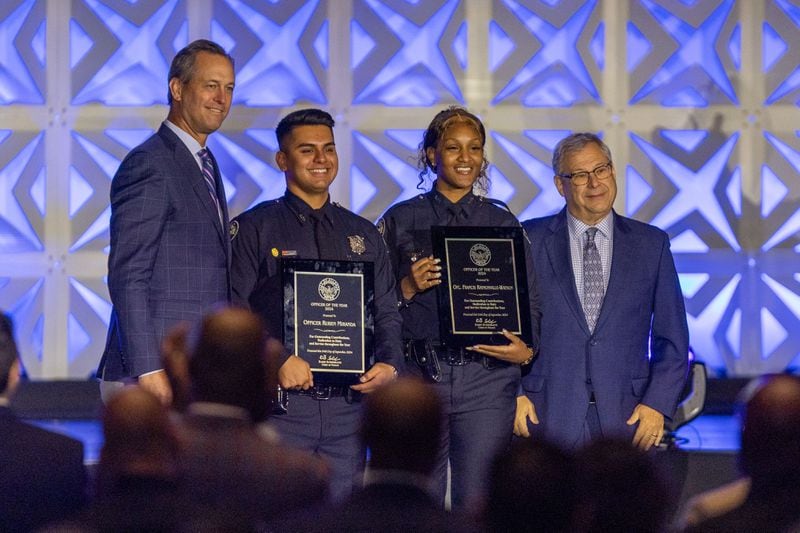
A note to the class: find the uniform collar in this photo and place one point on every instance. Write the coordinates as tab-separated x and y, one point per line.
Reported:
443	206
303	211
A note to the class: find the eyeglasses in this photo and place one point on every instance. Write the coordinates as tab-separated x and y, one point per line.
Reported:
580	178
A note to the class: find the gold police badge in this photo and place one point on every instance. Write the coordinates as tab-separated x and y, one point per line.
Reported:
357	244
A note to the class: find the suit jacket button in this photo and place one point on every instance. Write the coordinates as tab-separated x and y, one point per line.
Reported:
593	342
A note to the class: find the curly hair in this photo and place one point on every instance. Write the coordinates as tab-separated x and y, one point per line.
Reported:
443	121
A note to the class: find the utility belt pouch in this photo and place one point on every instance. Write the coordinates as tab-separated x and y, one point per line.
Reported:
423	354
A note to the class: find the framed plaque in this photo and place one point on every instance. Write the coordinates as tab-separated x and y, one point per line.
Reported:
328	318
484	285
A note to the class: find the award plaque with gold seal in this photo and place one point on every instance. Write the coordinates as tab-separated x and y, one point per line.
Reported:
484	285
328	317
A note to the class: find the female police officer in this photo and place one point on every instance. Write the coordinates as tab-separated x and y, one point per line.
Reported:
478	385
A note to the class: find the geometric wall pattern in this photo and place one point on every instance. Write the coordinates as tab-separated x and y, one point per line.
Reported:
698	100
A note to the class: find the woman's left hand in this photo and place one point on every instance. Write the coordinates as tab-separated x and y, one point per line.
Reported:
514	352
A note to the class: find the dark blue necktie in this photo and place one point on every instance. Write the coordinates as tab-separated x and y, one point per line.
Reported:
324	236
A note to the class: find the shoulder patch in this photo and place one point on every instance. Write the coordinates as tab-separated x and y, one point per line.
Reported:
233	230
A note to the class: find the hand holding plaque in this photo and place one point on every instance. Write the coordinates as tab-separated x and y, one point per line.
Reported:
484	285
515	352
328	318
424	275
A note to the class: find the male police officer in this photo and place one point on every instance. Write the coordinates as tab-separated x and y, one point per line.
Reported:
306	225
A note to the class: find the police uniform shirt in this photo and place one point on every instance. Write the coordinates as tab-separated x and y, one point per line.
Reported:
284	227
406	228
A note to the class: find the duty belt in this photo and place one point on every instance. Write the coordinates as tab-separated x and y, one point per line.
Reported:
457	356
319	392
280	403
418	350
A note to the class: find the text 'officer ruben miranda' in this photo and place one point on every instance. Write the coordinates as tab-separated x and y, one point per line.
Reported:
305	224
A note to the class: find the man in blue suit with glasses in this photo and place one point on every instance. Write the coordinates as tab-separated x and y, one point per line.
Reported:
614	340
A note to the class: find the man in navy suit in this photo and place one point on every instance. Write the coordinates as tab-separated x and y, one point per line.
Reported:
170	251
42	478
614	347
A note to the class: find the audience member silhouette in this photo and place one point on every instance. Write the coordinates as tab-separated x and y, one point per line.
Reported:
619	488
230	467
42	477
138	486
401	426
770	457
532	488
714	502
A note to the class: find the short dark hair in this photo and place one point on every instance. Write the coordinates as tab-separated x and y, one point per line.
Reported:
613	477
402	424
574	142
444	120
770	450
182	66
533	482
227	362
8	349
302	117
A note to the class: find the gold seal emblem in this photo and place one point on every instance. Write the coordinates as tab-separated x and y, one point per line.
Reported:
357	244
233	230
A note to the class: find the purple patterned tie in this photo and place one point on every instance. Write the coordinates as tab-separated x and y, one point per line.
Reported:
593	289
211	183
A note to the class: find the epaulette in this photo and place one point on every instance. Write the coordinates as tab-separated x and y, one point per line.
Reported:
413	199
267	203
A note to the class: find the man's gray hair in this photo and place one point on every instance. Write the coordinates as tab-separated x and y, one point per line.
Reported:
573	143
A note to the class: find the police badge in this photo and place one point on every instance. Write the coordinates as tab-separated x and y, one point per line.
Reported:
357	244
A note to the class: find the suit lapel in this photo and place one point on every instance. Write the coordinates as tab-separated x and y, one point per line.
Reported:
622	264
185	161
558	252
223	204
